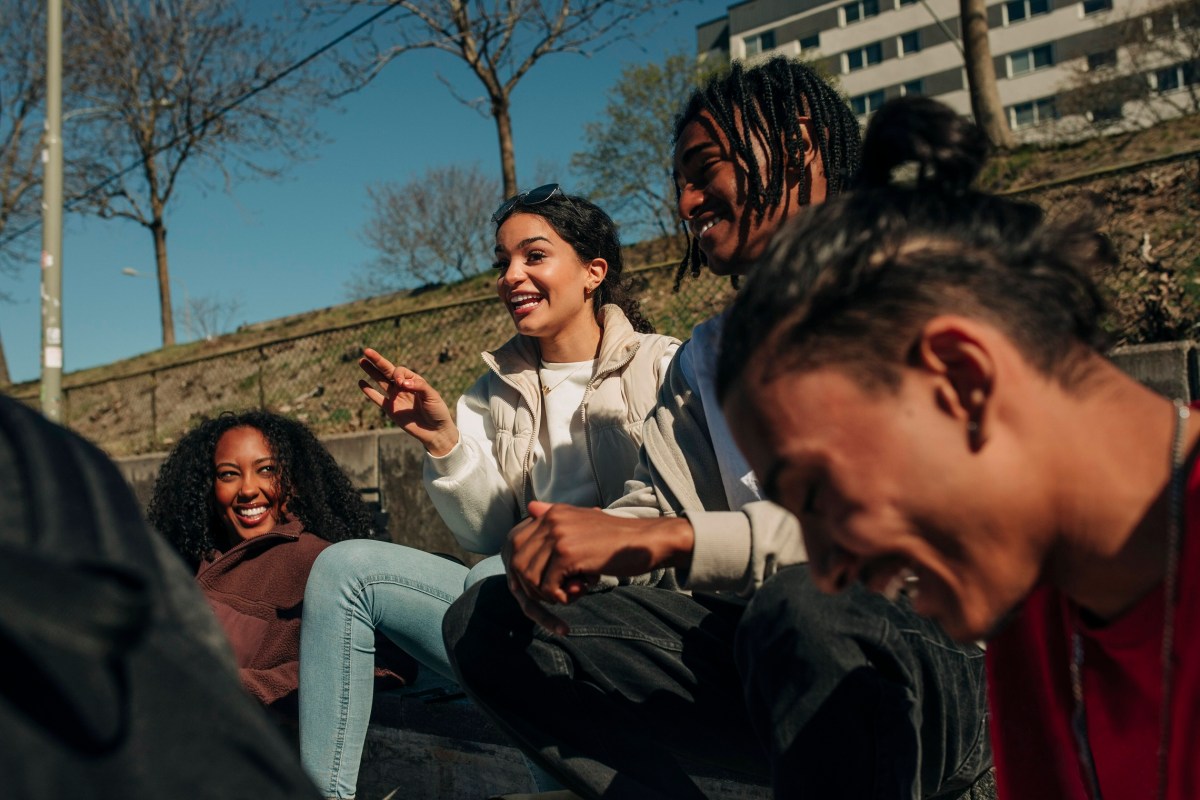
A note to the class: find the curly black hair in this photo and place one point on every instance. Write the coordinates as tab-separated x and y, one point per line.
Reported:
769	98
316	489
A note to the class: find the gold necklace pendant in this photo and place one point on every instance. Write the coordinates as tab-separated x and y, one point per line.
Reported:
548	389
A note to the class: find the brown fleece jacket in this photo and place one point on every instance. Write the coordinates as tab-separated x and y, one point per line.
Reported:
256	590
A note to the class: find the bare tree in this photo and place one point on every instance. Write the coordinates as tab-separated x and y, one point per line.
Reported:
182	84
208	317
499	40
627	158
981	75
22	92
429	230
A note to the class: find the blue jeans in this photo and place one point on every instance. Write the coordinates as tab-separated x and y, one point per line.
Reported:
356	588
846	696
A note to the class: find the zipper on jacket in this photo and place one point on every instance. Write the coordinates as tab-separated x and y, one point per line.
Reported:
536	414
587	433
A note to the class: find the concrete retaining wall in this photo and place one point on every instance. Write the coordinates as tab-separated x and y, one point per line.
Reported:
391	460
1168	368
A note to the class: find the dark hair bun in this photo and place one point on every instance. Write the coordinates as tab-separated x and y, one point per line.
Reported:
917	142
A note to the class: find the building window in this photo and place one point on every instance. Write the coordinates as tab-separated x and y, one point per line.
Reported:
1030	60
908	2
1017	10
1110	113
1172	78
1160	22
1035	112
859	10
1105	59
1096	6
760	43
864	56
912	88
810	42
867	103
910	42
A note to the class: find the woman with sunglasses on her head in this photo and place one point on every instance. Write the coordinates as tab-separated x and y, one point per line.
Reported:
557	416
917	371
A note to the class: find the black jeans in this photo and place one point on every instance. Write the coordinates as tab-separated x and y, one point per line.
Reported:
846	696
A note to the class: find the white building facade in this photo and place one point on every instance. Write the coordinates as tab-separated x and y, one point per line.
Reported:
1042	49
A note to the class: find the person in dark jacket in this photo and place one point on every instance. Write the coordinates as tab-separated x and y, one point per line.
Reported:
249	500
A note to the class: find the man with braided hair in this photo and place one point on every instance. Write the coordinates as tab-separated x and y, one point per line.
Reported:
623	684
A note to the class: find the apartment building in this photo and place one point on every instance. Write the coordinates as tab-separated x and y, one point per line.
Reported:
1064	68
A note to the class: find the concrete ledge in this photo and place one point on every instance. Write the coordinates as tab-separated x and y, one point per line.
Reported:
1168	368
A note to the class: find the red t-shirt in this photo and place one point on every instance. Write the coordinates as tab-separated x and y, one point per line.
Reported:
1032	704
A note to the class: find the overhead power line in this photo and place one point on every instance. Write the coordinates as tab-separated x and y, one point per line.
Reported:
70	202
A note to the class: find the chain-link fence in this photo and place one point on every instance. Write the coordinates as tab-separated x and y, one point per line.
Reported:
1151	213
315	377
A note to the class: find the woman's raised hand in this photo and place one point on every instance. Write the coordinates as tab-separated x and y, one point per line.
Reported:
412	403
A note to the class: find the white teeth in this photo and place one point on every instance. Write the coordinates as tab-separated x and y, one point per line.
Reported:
905	581
522	298
912	584
703	228
253	513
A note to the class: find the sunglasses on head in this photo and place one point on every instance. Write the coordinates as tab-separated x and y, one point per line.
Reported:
531	198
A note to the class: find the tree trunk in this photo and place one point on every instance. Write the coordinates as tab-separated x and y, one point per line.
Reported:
508	162
164	282
4	377
981	75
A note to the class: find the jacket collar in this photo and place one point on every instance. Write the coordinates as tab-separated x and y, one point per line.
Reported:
288	530
518	358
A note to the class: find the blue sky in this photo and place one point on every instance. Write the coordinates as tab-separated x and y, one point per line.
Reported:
286	246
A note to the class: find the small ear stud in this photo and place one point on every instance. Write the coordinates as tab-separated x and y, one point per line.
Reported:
972	427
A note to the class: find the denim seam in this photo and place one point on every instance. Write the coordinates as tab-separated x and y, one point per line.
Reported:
618	632
980	733
344	707
940	645
408	583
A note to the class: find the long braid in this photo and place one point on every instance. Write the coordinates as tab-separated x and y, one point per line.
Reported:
768	100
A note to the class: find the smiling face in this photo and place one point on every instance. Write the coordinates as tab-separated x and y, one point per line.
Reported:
713	195
543	283
887	488
246	487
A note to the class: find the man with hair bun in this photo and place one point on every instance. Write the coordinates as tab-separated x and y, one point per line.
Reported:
931	396
615	691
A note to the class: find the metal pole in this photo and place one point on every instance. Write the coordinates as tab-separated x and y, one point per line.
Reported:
52	187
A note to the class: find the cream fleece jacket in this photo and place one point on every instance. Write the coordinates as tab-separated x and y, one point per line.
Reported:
482	487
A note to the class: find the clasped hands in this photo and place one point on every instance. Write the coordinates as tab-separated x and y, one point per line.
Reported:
560	551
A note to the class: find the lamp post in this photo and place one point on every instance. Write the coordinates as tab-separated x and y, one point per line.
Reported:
52	207
187	304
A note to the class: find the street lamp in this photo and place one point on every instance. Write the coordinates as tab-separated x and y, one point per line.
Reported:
52	212
187	303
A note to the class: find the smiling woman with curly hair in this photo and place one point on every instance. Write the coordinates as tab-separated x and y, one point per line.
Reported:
249	500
